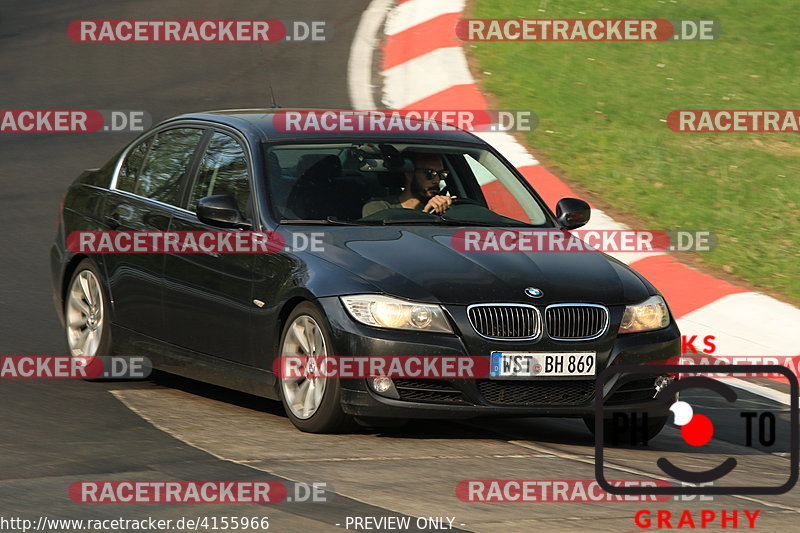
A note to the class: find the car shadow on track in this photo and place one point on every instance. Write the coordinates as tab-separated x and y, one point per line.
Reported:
568	432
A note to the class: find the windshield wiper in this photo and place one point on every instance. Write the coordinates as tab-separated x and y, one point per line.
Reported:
433	220
440	220
488	224
330	221
401	221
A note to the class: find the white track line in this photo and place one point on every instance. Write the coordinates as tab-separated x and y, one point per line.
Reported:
760	390
506	144
777	331
365	42
612	466
416	12
441	69
402	87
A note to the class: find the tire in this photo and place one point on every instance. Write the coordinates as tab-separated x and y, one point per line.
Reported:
86	313
313	405
654	427
87	330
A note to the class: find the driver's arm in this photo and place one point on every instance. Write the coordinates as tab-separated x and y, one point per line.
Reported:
438	204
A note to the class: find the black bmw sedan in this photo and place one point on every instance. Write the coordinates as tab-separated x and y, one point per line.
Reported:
385	277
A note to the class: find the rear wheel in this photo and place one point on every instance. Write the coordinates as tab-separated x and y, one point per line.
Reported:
86	325
85	313
312	402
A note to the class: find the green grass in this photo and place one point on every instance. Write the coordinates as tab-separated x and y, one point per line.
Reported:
602	109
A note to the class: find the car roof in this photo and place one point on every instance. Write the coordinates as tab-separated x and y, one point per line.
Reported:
259	123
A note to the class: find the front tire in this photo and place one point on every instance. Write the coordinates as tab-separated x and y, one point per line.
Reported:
312	403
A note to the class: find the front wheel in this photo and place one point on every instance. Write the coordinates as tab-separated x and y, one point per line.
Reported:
312	402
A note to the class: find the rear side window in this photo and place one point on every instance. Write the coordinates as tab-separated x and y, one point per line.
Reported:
166	164
223	170
131	166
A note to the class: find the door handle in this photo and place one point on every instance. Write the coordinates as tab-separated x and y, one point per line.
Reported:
113	221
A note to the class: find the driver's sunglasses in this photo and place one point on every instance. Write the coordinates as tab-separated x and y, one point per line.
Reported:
433	174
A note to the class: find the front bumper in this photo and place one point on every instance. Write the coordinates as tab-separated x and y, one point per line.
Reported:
470	398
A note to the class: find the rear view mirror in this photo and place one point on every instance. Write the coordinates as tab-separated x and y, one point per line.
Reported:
572	213
221	210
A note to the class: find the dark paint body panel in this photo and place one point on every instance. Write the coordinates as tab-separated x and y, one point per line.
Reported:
420	263
194	315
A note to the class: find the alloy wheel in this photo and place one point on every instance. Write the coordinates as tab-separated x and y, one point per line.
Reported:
303	395
84	314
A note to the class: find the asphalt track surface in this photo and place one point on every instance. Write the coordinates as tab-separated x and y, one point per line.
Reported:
55	432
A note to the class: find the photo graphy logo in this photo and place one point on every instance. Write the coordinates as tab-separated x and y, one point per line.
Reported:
758	427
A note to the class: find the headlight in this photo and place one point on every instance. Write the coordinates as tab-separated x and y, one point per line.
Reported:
386	312
648	315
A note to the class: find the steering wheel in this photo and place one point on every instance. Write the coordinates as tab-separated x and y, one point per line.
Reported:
465	201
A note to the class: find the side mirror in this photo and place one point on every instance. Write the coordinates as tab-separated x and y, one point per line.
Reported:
572	213
221	210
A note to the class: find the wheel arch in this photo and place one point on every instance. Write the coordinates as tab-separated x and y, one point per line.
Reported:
283	315
69	271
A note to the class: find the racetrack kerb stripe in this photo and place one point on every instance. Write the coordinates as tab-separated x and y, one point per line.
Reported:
685	288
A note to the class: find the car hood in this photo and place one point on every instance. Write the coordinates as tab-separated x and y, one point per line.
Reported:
420	263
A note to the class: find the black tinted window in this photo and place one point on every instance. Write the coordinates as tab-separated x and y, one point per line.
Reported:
166	164
223	170
132	165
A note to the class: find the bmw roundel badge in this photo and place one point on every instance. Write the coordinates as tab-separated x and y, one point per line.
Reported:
533	292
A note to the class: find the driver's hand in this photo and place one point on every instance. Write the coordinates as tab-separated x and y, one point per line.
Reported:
438	204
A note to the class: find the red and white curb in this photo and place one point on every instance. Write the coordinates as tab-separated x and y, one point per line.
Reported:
423	66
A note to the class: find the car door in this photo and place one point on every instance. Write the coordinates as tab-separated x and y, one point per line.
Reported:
144	197
208	296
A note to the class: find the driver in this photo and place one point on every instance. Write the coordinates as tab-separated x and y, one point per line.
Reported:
421	190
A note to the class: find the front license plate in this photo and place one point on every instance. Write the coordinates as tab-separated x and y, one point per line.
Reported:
531	364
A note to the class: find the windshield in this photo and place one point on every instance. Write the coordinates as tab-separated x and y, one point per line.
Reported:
392	183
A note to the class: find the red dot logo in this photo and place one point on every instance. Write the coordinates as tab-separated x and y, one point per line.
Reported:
696	430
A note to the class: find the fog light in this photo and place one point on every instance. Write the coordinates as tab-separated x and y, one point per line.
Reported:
384	386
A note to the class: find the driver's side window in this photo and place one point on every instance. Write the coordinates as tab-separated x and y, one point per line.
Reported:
223	170
498	198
